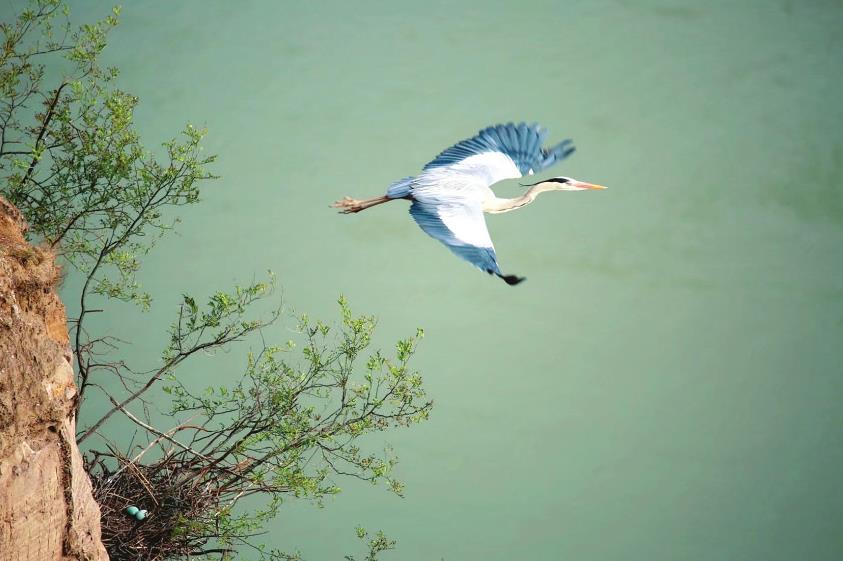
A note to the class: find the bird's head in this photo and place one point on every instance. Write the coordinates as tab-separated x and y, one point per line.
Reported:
565	184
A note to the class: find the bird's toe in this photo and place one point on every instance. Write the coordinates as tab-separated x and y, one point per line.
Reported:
347	205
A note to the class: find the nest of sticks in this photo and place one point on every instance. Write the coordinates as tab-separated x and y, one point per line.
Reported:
180	508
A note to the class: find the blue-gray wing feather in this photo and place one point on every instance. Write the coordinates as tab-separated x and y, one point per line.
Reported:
429	220
521	142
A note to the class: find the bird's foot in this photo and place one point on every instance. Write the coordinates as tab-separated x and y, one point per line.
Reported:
348	205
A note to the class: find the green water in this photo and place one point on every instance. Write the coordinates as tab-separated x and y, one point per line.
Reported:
667	383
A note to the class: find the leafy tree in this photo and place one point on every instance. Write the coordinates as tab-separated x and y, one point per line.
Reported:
73	163
287	428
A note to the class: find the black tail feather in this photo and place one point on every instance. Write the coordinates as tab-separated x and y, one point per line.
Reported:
512	280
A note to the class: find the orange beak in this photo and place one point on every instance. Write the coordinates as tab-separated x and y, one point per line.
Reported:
584	185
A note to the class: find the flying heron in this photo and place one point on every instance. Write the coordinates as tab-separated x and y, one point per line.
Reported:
453	191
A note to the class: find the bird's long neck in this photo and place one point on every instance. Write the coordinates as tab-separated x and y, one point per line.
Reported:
497	205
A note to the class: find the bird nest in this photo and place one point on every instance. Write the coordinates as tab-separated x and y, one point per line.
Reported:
180	509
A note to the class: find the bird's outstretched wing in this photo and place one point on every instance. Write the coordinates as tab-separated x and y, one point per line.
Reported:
521	143
462	228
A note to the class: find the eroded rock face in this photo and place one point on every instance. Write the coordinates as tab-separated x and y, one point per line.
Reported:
46	508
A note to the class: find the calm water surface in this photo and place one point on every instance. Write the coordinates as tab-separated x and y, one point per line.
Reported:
666	385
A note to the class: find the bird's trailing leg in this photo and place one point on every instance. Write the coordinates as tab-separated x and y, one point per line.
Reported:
348	205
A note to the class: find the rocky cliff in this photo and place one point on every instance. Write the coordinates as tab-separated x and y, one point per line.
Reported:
46	508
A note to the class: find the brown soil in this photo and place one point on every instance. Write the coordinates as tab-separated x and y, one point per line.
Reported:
46	508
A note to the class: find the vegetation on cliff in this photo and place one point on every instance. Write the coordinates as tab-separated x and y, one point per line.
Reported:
290	425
